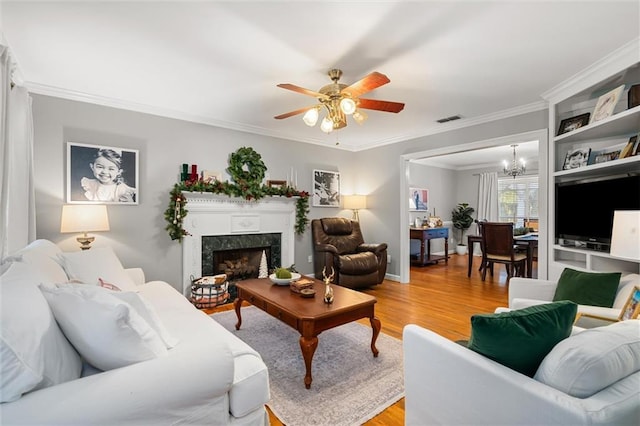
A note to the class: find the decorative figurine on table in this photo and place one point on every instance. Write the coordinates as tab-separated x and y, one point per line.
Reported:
328	291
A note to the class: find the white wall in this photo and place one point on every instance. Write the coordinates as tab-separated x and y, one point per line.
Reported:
137	232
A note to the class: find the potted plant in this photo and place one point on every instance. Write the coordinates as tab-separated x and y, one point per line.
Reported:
462	220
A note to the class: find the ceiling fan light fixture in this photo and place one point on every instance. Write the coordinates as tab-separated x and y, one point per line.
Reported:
326	125
359	116
348	106
310	118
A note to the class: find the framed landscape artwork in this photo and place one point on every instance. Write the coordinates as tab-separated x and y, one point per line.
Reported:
326	188
101	174
418	199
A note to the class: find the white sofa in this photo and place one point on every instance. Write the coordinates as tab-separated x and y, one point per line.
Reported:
525	292
448	384
207	376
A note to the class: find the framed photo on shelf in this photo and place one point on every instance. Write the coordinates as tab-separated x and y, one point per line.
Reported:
627	151
326	188
605	154
606	103
631	308
276	183
575	158
418	199
573	123
98	174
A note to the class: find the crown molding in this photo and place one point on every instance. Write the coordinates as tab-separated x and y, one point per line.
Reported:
619	59
43	89
465	122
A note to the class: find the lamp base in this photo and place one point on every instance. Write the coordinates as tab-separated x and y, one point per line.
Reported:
85	241
356	217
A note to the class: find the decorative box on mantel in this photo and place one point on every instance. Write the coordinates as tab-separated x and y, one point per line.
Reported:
217	215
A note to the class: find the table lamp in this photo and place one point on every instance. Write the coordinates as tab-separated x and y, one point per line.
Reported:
84	218
625	236
355	203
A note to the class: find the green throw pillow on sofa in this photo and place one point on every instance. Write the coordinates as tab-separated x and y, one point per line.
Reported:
588	288
520	339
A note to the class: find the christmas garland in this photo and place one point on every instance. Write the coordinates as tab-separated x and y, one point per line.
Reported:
248	185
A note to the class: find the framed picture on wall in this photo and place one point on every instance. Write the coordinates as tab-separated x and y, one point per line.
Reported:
101	174
418	199
326	188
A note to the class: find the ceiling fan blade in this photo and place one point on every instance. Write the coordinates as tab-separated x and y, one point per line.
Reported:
386	106
366	84
292	113
302	90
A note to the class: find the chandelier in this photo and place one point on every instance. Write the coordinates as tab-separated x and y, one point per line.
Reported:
515	168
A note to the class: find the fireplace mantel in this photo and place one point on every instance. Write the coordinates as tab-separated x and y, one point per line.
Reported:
213	214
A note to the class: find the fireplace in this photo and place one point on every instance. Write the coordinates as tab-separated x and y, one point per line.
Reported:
233	229
239	256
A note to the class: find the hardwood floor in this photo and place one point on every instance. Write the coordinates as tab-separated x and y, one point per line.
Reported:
439	297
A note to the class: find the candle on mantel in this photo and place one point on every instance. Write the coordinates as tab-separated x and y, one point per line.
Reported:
194	172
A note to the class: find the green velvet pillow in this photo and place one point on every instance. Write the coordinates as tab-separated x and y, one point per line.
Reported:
588	288
520	339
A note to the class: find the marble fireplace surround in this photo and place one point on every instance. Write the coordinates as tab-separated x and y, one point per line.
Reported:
216	215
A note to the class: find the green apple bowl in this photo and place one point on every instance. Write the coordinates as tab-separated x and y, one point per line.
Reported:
284	281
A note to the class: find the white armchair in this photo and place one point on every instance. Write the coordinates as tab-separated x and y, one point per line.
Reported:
524	292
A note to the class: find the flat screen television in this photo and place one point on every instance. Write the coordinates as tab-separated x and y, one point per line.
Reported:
584	209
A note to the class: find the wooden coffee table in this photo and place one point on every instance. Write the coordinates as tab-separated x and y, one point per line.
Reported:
310	316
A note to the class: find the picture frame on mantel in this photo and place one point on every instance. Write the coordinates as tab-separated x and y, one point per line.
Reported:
326	188
99	174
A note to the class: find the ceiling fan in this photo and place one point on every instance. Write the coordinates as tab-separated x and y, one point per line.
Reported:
341	100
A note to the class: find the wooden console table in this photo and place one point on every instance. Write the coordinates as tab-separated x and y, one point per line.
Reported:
428	234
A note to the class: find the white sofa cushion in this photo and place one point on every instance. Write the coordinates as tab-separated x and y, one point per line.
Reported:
97	263
106	331
592	360
627	283
148	313
34	353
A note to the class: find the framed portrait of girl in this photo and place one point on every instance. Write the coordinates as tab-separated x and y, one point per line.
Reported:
101	174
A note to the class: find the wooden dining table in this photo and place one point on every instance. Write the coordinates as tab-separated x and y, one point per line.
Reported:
530	241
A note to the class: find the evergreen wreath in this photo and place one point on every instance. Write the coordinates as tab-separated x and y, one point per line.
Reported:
248	185
246	156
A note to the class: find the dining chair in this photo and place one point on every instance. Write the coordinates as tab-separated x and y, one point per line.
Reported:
498	246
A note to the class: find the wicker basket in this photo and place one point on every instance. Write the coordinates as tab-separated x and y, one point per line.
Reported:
209	292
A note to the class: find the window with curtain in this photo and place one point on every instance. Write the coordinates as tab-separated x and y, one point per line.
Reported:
518	199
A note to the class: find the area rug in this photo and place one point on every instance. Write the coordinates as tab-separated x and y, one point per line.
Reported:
349	385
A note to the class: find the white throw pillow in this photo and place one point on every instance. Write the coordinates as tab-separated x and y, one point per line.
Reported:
148	313
97	263
34	353
585	363
106	331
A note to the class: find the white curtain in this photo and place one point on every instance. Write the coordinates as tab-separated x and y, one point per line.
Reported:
487	200
17	206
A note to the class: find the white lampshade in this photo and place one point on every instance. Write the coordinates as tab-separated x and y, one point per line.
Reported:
359	116
310	117
625	236
326	125
355	202
348	106
84	218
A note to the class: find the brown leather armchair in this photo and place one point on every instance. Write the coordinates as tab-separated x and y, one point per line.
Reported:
338	243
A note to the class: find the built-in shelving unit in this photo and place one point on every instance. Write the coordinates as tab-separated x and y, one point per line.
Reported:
570	99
